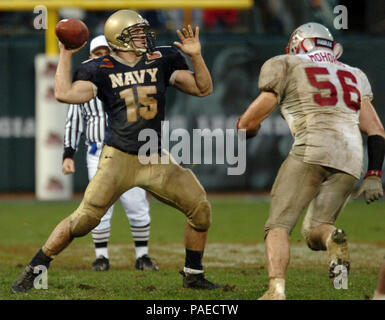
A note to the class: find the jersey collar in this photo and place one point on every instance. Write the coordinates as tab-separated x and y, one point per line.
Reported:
130	64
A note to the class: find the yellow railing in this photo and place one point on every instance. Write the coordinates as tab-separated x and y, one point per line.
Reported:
119	4
53	5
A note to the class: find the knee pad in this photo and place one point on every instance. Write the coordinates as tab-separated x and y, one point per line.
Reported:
82	222
200	217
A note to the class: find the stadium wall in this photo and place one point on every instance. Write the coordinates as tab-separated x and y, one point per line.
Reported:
234	62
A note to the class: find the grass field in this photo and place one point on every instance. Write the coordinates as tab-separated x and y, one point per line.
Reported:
234	254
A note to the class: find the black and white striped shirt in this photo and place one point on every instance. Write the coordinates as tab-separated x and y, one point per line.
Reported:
88	118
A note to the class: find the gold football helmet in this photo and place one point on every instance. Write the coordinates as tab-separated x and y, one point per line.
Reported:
119	29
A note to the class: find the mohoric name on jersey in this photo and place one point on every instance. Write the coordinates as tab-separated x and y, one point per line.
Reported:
132	77
322	57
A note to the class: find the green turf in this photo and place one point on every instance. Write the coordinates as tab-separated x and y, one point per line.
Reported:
25	225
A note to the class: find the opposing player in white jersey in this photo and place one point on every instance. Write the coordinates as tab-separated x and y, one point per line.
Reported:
90	118
326	104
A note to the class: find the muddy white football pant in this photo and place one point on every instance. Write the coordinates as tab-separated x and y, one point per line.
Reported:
135	205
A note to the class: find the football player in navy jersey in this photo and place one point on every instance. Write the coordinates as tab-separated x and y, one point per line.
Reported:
90	119
132	83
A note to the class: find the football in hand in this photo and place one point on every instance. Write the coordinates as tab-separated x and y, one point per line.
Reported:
73	33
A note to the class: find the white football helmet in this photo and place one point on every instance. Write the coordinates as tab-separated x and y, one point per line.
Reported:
310	36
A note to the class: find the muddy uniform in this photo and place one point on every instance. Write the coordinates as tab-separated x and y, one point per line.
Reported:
134	98
320	99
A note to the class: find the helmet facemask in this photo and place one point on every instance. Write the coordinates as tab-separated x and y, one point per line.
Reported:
132	33
292	46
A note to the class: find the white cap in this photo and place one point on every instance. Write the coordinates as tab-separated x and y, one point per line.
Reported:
99	41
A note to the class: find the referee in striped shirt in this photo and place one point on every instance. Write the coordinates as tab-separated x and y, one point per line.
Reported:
90	118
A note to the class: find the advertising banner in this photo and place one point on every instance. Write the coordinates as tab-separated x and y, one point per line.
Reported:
51	183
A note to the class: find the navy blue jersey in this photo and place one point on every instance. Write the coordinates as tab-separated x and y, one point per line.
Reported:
133	94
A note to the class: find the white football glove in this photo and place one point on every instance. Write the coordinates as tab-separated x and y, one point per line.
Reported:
372	189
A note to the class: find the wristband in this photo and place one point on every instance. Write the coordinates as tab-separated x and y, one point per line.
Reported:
376	152
376	173
68	153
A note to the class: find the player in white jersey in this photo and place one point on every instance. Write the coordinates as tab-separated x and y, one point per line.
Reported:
326	104
134	201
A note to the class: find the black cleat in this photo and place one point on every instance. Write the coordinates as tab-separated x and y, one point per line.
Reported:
145	263
101	264
197	281
25	281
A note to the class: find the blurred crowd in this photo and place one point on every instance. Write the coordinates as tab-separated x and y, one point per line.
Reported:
266	17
